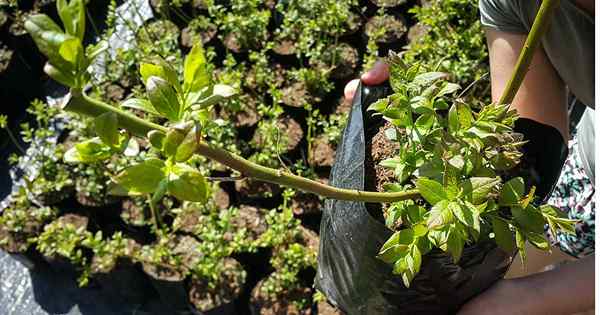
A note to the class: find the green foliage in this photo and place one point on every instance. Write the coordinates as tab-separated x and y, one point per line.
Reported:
454	39
448	151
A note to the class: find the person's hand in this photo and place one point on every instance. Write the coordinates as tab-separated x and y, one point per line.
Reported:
376	75
504	297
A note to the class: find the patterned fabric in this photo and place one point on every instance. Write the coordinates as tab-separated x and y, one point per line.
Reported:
574	195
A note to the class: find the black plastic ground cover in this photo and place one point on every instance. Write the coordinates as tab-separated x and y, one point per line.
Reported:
357	282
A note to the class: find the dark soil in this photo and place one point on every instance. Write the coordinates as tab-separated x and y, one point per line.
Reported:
261	304
221	198
306	204
252	219
135	212
190	36
416	32
377	149
290	130
324	308
250	188
229	287
394	26
322	152
296	95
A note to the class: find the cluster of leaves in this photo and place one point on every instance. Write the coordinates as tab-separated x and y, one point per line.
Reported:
67	61
455	154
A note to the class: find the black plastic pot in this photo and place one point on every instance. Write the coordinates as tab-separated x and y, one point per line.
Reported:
171	290
357	282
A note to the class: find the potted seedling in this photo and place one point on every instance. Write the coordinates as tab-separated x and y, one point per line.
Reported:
281	292
199	29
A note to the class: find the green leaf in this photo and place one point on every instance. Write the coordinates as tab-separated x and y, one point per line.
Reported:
466	215
538	240
512	191
89	151
453	122
163	71
380	105
174	138
529	219
72	51
440	215
157	139
432	191
220	93
189	145
195	71
448	88
465	117
477	189
140	104
48	37
528	198
520	241
142	178
106	126
73	16
61	77
163	98
425	79
503	235
455	245
188	185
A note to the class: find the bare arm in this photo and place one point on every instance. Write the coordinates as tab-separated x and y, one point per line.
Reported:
567	290
542	96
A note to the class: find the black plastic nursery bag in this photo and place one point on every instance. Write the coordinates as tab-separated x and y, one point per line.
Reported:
349	273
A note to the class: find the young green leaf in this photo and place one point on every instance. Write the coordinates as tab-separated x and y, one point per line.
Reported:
72	15
89	151
538	240
106	126
455	245
440	215
453	122
48	37
189	145
71	50
195	70
477	189
529	219
163	71
512	191
65	78
188	185
140	104
520	241
432	191
503	235
142	178
157	139
466	215
163	98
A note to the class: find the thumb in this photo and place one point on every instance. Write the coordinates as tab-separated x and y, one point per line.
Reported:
378	73
350	89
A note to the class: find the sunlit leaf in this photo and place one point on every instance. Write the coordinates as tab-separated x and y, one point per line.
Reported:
142	178
106	126
188	185
503	235
432	191
163	98
195	71
512	191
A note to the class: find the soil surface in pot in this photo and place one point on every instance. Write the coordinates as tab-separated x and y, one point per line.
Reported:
263	304
228	288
